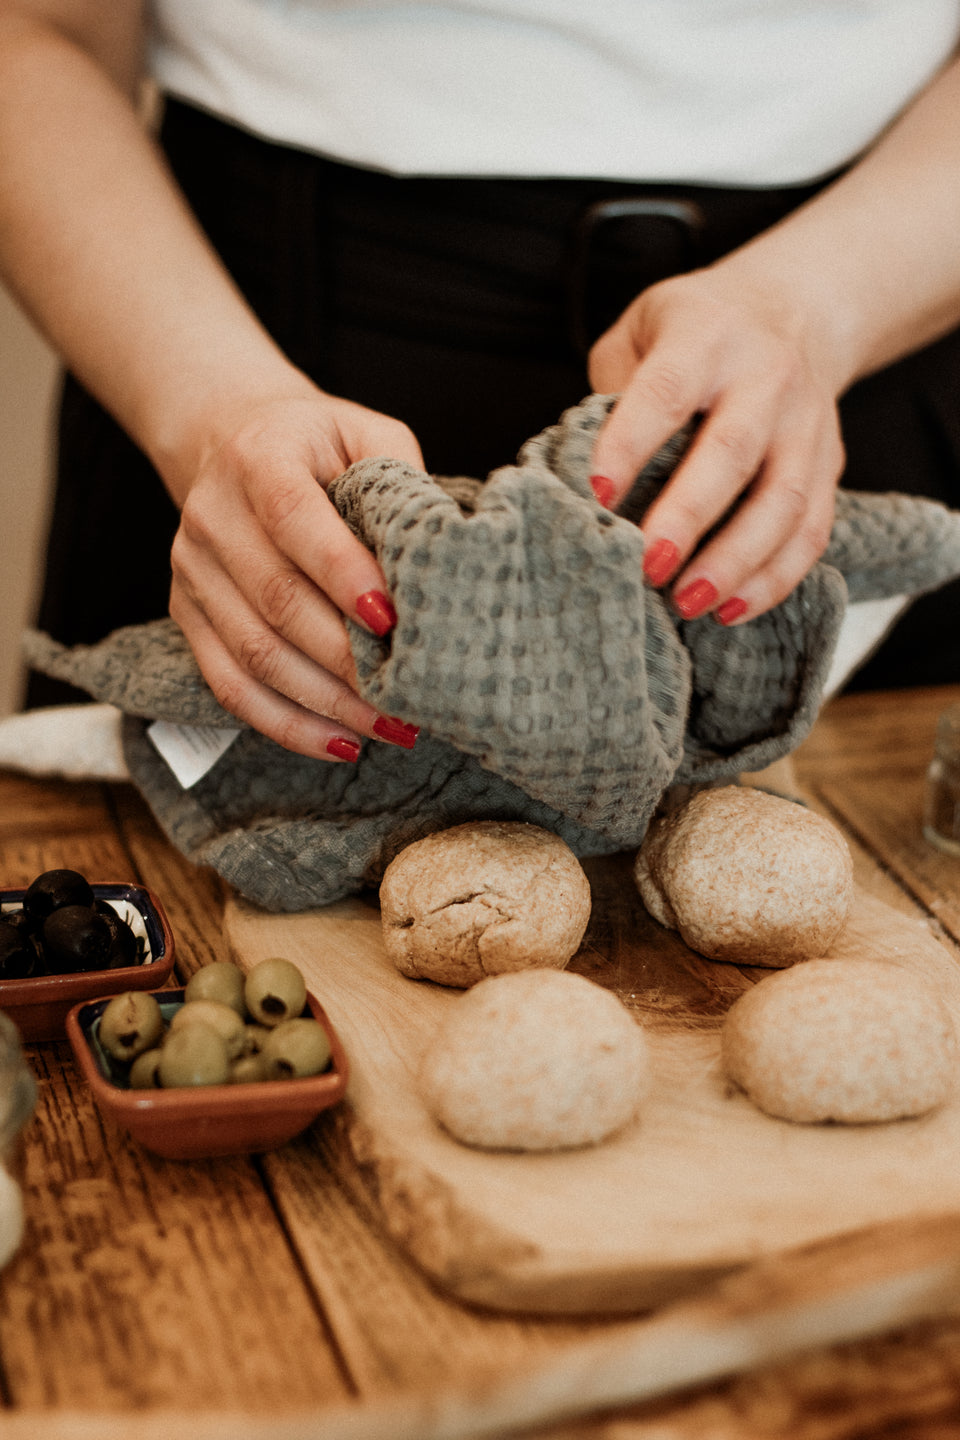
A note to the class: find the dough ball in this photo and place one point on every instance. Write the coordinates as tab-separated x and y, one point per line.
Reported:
848	1040
483	898
536	1060
748	877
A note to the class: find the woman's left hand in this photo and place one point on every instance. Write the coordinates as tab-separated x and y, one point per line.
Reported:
750	507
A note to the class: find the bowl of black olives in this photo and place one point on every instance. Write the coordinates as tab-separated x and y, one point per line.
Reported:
232	1064
64	939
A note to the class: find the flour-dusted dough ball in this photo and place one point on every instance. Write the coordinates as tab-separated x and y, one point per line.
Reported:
535	1060
846	1040
748	877
483	898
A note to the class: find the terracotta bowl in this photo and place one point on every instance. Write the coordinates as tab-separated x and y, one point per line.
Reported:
190	1123
38	1006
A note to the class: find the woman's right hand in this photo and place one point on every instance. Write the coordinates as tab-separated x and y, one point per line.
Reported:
264	571
100	247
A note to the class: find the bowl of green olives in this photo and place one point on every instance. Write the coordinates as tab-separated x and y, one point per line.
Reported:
64	939
231	1064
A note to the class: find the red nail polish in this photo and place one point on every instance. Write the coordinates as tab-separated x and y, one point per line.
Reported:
695	598
375	610
343	749
660	561
731	610
396	732
603	489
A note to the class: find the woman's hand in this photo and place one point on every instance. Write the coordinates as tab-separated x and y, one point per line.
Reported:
765	462
761	345
264	570
116	271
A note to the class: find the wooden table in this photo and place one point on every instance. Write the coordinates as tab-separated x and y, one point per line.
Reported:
257	1296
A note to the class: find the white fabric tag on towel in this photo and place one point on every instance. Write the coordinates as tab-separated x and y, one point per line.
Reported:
190	750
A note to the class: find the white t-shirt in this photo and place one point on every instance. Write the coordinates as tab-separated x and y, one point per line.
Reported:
727	92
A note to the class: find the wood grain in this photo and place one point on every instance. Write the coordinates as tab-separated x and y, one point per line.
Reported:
773	1311
142	1280
139	1280
882	733
391	1332
395	1329
44	826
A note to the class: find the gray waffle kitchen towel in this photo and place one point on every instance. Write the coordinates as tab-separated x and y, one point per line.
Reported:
551	683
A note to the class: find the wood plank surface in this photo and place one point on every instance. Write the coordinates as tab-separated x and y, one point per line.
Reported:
379	1329
49	825
868	772
771	1311
882	733
139	1279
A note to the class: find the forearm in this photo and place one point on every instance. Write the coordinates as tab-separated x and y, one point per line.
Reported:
870	269
97	243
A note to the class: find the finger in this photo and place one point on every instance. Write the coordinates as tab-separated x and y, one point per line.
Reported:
214	562
721	464
304	527
283	718
365	433
265	710
664	392
614	356
778	534
270	658
325	686
770	585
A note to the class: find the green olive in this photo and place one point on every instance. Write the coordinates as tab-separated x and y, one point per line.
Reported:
275	991
221	981
248	1070
219	1017
130	1024
193	1055
296	1048
254	1039
143	1071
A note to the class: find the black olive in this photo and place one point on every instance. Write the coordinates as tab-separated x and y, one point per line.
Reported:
19	955
54	889
20	920
76	938
123	942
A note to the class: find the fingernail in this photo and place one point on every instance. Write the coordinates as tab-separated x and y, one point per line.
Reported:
731	610
695	598
603	489
660	561
375	610
396	732
343	749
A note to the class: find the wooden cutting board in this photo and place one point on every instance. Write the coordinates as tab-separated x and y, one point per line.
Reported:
700	1184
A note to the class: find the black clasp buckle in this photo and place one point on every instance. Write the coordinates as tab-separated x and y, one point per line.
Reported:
619	248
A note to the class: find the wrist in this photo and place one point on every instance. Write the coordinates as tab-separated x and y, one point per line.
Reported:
806	304
184	429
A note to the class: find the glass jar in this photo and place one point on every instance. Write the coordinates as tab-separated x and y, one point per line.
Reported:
18	1096
941	815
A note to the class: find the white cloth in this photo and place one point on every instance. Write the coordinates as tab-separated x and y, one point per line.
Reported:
78	742
727	92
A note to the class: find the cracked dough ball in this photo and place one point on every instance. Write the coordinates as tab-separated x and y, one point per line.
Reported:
482	898
847	1040
748	877
537	1060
